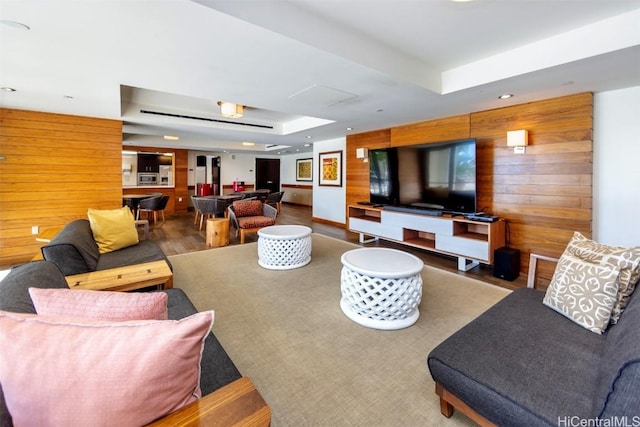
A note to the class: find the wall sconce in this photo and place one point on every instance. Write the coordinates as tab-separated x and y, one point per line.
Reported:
518	139
362	153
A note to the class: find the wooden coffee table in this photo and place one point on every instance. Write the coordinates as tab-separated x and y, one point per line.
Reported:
128	278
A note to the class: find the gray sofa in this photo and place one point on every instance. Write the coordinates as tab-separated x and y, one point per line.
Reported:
75	251
523	364
217	368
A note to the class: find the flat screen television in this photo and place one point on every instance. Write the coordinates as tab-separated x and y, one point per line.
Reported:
383	176
438	176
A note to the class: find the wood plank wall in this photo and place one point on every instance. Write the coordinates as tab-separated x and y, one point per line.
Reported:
545	195
57	166
54	167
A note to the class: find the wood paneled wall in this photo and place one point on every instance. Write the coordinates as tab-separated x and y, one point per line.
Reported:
57	166
357	185
54	167
545	195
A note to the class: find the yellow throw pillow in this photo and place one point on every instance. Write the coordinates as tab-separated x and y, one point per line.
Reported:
113	229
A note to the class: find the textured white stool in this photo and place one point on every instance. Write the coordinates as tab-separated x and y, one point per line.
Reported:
381	288
283	247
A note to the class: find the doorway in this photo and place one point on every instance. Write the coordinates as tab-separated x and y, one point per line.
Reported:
268	174
215	176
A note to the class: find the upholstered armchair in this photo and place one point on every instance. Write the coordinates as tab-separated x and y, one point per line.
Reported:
250	216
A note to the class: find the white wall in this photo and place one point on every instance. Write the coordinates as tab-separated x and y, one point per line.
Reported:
236	166
288	168
616	167
329	202
130	164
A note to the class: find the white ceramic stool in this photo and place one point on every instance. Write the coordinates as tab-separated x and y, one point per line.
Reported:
284	247
381	288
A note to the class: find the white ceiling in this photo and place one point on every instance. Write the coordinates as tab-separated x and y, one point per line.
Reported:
305	69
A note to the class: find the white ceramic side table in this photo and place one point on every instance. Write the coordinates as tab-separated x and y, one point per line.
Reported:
284	247
381	288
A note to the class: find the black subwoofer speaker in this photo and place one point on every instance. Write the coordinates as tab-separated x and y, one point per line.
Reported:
506	263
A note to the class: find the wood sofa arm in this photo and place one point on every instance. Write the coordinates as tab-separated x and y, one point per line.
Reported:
236	404
533	267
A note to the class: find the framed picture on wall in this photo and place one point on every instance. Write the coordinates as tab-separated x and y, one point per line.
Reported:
304	170
330	168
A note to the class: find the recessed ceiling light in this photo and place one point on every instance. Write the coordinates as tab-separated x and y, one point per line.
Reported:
506	96
171	137
8	89
309	137
307	145
349	128
248	144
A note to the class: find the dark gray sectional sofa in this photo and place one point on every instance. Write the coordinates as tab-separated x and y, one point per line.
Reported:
523	364
75	251
217	368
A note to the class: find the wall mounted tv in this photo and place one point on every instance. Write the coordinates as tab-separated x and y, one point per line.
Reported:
438	176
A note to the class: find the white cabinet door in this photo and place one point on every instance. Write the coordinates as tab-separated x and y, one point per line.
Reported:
471	248
424	223
375	228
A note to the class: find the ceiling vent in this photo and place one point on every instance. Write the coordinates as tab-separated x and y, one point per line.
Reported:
273	147
206	119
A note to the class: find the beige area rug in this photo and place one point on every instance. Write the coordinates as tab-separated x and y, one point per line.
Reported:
314	366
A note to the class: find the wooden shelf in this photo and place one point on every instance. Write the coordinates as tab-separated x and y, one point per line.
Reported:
366	214
421	243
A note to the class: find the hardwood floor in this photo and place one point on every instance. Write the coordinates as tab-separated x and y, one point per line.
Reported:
179	235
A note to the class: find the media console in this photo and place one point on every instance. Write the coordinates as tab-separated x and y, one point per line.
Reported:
472	242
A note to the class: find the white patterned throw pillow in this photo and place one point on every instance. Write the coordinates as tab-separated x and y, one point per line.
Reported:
625	260
583	292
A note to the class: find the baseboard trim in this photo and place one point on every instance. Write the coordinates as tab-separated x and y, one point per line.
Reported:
326	221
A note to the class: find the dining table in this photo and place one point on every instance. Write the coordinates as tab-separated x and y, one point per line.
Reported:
133	201
227	198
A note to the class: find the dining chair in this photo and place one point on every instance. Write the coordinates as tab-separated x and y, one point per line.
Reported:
153	205
195	200
275	200
210	207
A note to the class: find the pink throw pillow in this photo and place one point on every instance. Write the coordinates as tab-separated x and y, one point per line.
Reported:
102	305
61	371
